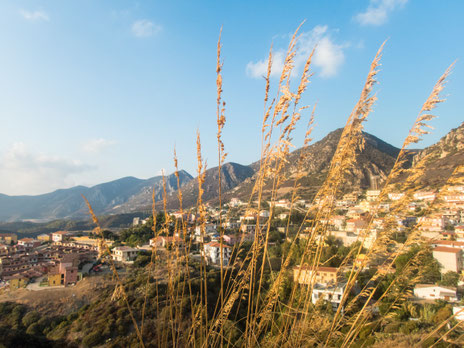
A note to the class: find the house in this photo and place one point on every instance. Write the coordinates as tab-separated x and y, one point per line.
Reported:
395	196
372	195
264	213
283	203
448	244
29	242
44	237
8	238
435	292
329	293
431	223
235	202
124	254
17	281
213	252
449	258
231	225
337	221
355	225
209	228
322	275
60	236
232	239
165	241
65	272
458	312
424	196
459	230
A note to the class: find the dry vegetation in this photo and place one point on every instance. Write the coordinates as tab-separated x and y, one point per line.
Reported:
254	302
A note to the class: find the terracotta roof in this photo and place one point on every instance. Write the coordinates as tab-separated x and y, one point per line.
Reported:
434	285
319	269
448	242
447	250
217	245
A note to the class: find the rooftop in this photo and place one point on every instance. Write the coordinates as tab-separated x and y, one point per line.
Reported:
447	250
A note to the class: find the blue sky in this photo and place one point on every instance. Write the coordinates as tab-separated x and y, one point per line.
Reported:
91	91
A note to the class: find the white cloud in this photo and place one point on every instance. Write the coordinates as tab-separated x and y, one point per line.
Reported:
145	28
378	11
328	56
97	145
34	15
25	172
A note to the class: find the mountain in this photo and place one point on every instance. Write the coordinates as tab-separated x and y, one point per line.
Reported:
373	164
232	174
109	197
443	157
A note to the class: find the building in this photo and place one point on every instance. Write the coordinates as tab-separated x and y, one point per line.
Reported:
431	223
458	312
209	228
424	196
372	195
29	242
355	225
8	238
435	292
44	237
60	236
323	275
124	254
213	252
449	258
165	241
448	244
17	281
395	196
329	293
235	202
65	272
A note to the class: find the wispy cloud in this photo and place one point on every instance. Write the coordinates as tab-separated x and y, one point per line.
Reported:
328	56
26	172
378	11
35	15
145	28
97	145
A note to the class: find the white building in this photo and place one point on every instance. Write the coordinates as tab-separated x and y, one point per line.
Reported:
209	229
458	312
59	236
124	254
330	293
213	252
449	258
372	195
435	292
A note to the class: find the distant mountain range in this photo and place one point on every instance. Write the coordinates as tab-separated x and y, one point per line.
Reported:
128	195
107	198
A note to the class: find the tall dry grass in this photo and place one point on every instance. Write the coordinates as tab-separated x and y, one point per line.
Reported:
248	305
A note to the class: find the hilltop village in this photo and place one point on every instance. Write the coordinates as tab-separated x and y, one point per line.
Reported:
63	258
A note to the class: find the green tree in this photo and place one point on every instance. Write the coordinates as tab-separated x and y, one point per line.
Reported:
450	279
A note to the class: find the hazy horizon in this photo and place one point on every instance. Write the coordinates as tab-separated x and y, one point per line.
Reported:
92	92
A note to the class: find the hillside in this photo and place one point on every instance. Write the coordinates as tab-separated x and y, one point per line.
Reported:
108	197
375	161
232	174
444	157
